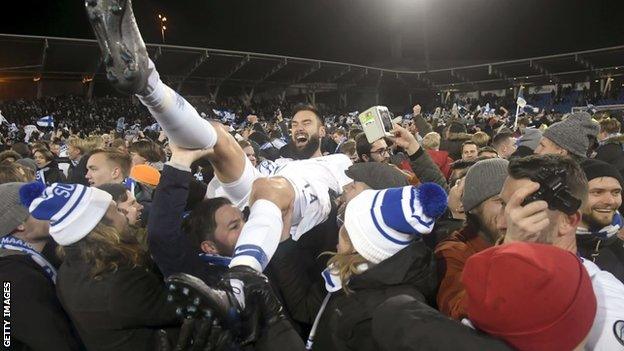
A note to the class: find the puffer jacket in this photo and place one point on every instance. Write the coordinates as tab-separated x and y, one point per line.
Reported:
454	143
346	322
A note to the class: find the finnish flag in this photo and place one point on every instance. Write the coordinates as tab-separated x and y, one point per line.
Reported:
2	119
521	101
47	121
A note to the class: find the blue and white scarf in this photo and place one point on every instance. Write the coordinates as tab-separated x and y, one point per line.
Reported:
333	282
216	260
605	232
40	175
10	242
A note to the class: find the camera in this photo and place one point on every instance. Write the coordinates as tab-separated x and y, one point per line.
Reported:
554	191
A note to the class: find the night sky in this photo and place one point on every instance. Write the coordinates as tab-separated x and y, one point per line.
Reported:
355	31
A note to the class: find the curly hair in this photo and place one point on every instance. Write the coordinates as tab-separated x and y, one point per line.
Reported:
106	250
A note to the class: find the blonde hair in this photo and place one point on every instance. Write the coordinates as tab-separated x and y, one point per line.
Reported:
105	250
481	139
94	142
431	141
345	265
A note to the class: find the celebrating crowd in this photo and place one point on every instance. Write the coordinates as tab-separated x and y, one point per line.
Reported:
475	230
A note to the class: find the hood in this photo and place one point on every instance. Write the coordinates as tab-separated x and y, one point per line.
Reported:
459	136
614	140
414	265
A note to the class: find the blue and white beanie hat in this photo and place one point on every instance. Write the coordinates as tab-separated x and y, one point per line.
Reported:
381	223
72	209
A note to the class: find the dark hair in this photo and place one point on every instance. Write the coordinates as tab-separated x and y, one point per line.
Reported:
457	127
487	149
117	191
530	166
459	164
340	131
353	133
500	138
468	142
276	134
348	147
22	148
120	158
259	137
14	172
9	154
148	150
118	142
47	154
523	121
200	225
310	108
362	146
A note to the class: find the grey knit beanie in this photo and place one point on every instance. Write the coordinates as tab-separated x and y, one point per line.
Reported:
484	180
531	138
12	212
572	134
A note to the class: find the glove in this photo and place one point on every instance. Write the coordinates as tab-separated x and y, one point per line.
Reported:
261	308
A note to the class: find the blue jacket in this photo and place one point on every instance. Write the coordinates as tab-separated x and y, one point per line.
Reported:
171	249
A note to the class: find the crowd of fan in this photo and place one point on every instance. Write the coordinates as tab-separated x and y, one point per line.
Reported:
496	272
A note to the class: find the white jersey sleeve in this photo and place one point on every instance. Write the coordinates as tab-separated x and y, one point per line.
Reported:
609	310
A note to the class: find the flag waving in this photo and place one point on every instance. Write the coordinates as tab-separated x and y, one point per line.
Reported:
521	101
47	121
2	119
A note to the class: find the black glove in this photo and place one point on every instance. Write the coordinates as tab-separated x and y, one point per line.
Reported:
261	309
197	334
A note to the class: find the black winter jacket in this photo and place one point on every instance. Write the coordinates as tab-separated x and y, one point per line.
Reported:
77	173
404	323
612	151
608	254
120	311
171	249
52	174
38	322
173	252
346	323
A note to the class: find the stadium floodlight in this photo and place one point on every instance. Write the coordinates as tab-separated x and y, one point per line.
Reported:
163	28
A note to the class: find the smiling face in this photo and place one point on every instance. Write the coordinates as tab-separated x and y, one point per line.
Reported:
305	129
603	200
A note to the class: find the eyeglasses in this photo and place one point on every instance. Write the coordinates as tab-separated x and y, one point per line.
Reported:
383	151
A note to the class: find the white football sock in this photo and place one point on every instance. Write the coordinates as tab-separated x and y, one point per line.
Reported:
176	116
260	236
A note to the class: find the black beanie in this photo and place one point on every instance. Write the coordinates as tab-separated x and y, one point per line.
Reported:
595	169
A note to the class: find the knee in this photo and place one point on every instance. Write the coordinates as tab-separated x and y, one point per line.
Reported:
277	190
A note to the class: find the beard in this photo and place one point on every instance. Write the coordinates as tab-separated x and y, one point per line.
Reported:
306	151
597	220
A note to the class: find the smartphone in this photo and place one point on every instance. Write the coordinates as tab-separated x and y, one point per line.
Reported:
376	123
